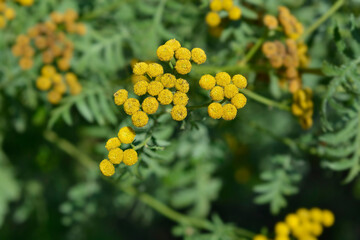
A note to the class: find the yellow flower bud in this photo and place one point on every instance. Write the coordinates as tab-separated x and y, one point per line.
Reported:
126	135
222	79
228	4
140	88
215	110
107	168
292	220
182	85
116	155
239	81
165	53
328	218
229	112
270	21
260	237
140	68
217	93
216	5
174	44
9	13
316	214
130	157
155	70
168	80
282	229
183	66
155	88
165	97
131	106
198	55
239	100
43	83
178	112
230	91
120	97
180	98
213	19
183	54
112	143
207	82
139	119
54	97
150	105
235	13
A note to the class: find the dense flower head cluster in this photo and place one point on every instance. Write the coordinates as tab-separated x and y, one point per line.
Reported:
290	55
213	18
156	87
303	224
303	107
116	155
57	84
6	14
224	88
51	41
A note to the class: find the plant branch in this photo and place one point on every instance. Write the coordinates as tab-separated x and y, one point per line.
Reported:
265	100
254	49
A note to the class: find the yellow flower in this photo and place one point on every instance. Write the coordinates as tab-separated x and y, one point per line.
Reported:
198	55
174	44
282	229
207	82
270	21
54	97
292	220
140	88
316	229
60	87
107	168
239	81
43	83
215	110
26	2
183	54
155	88
155	70
139	119
230	91
75	88
328	218
70	78
216	5
25	63
126	135
178	112
131	106
213	19
165	53
222	79
130	157
150	105
116	155
180	98
229	112
138	78
48	71
80	29
2	22
260	237
183	66
140	68
228	4
239	100
165	97
120	97
182	85
9	13
282	238
112	143
303	214
316	214
217	93
168	80
235	13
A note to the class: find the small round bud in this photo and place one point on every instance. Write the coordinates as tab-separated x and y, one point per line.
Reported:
116	155
165	97
222	79
140	88
126	135
207	82
183	54
229	112
120	97
112	143
130	157
183	66
239	100
217	93
239	81
215	110
131	106
107	168
165	53
140	68
198	55
150	105
180	98
178	112
139	119
155	88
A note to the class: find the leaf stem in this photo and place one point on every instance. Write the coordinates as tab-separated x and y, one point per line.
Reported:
254	49
265	100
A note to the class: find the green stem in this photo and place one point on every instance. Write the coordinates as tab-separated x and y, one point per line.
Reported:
322	19
137	147
254	49
190	108
264	100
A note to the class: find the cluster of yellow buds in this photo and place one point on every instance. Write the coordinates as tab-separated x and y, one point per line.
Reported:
26	2
50	39
305	224
6	14
51	78
213	18
157	87
224	88
126	135
303	107
288	56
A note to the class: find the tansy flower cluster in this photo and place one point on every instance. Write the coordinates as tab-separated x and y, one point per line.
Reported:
158	88
116	155
6	14
224	88
305	224
57	84
303	107
213	18
290	56
50	40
